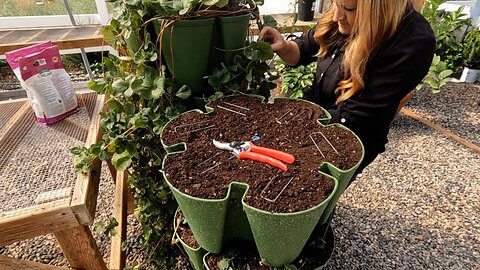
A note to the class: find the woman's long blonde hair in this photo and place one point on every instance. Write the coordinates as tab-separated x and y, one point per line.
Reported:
375	22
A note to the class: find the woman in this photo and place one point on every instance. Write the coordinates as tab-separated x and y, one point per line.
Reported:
370	54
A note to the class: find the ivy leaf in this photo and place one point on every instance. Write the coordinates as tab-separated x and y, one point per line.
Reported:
265	51
136	85
215	96
122	161
97	86
159	88
129	92
109	35
269	20
107	229
114	105
120	85
132	2
184	92
224	264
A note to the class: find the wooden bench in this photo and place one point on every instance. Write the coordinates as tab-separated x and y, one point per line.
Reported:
71	37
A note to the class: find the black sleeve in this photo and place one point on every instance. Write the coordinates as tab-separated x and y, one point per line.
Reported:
391	74
308	48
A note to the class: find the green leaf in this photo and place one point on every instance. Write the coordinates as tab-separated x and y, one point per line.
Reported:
444	74
122	161
184	92
132	2
159	89
269	20
120	85
114	105
129	92
109	35
97	86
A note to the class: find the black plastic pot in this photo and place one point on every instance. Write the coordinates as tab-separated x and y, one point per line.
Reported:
305	10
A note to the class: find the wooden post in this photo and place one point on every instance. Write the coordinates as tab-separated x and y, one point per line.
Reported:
80	248
7	263
117	256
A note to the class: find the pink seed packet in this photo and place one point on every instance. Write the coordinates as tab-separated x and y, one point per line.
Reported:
41	73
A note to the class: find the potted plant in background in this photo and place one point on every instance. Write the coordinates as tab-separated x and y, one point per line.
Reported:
471	56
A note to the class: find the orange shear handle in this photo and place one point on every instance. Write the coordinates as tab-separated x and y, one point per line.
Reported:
285	157
264	159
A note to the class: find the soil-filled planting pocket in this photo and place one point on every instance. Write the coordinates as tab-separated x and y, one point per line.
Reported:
224	197
184	235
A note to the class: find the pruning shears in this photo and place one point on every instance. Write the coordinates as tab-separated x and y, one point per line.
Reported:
248	150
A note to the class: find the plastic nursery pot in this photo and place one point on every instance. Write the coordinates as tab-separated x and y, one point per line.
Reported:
470	75
185	45
305	10
195	255
230	36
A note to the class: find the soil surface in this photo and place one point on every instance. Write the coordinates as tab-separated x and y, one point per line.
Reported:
205	171
185	233
244	255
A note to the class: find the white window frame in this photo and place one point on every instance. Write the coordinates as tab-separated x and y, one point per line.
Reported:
102	17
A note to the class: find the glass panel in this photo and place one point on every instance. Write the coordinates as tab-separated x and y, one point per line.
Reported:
45	7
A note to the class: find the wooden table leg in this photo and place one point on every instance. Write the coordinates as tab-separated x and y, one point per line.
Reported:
80	248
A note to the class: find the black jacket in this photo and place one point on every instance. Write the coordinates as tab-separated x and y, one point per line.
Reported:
392	72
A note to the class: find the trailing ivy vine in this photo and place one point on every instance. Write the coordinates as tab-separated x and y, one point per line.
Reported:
141	99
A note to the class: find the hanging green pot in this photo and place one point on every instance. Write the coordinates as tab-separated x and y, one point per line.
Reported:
195	255
185	46
229	38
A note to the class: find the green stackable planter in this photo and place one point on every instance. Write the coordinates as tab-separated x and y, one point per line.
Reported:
195	255
186	46
279	237
343	177
232	31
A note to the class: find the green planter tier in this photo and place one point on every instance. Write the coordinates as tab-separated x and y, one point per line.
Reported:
279	237
186	46
313	257
195	255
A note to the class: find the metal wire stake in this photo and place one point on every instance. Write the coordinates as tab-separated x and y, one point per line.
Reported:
230	110
301	113
278	119
191	124
234	105
281	191
316	145
213	167
328	141
212	157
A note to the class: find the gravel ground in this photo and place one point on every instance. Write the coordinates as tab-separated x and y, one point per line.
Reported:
416	207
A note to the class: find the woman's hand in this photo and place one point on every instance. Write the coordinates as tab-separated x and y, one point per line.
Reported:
286	49
274	38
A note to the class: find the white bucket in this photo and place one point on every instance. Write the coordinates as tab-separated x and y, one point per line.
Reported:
470	75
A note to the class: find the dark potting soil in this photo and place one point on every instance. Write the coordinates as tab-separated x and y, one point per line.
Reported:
242	256
185	233
203	171
242	253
